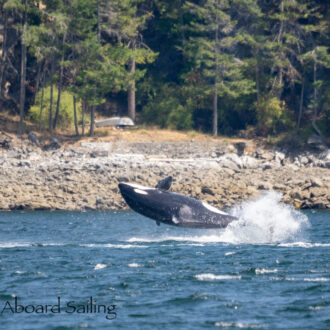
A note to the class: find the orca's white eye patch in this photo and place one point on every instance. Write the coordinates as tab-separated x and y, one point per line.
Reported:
141	192
138	186
213	209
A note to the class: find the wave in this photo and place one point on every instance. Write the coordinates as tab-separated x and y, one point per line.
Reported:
117	246
239	325
212	277
300	279
100	266
316	308
304	244
265	271
134	265
197	239
9	245
309	279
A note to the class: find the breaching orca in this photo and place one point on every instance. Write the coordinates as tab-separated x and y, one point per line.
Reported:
171	208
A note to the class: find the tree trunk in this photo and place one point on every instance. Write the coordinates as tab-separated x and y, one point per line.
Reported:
280	84
277	85
280	79
39	74
83	118
98	23
215	96
23	72
75	116
51	96
91	129
59	87
301	103
215	112
183	38
131	88
4	51
59	91
257	80
315	102
42	100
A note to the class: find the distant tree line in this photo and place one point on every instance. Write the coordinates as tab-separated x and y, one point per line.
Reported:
211	65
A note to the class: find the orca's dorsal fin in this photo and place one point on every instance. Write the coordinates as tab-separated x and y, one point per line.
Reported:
165	184
158	223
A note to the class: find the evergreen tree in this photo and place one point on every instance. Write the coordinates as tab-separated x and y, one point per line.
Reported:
289	36
124	21
46	43
208	55
19	8
211	47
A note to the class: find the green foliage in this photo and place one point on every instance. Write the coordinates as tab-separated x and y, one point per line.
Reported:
272	116
66	116
213	35
13	4
258	59
102	67
167	110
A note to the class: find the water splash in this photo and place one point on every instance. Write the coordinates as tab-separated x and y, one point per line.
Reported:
266	220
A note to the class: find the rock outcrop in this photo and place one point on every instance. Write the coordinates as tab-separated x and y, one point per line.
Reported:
87	176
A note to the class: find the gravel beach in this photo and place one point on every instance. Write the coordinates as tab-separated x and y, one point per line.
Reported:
85	175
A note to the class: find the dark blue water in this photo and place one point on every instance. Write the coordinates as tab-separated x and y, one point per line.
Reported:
270	270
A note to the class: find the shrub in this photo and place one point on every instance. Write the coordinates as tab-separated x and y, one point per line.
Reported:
65	116
272	116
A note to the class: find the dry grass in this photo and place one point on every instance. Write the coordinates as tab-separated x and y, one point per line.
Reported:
9	124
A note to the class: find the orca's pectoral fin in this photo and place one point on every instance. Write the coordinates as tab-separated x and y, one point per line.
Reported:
165	184
158	223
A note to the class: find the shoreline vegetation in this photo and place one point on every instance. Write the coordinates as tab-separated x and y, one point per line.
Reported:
213	66
70	174
258	70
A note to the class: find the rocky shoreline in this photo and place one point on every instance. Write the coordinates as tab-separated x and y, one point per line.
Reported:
85	176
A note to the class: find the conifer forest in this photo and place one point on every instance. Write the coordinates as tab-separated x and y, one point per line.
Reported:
216	66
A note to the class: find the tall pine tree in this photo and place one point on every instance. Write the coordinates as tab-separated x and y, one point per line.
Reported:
211	47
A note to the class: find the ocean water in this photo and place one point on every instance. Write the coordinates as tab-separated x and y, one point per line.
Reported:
71	270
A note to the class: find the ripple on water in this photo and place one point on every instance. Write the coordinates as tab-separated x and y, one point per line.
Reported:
265	271
213	277
306	245
100	266
134	265
240	325
308	279
116	246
